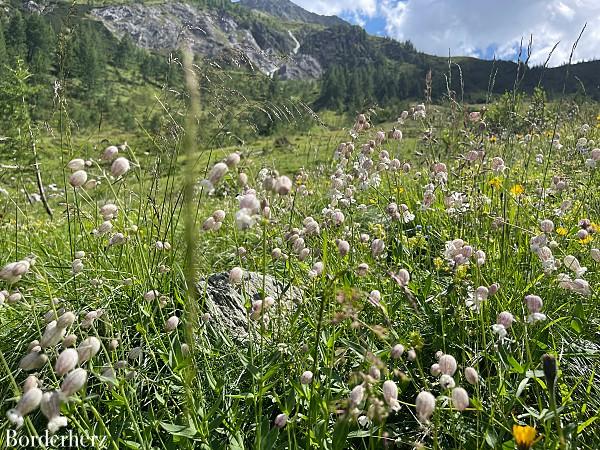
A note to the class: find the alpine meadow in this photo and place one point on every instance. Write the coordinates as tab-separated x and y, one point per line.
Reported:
248	225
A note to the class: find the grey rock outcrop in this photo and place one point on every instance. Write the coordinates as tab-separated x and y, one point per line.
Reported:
226	303
171	25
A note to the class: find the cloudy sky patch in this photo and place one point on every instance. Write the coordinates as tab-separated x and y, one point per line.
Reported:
481	28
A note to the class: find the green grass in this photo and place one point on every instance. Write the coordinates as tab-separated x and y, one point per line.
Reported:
227	394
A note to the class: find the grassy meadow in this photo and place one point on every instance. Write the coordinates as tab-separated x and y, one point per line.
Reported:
445	264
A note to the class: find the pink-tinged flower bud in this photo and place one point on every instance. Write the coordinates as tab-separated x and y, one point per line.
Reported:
76	164
304	253
471	375
374	297
374	372
447	364
460	399
343	247
283	185
217	173
435	370
377	247
236	275
306	377
281	420
108	211
78	179
276	254
582	234
74	382
534	303
117	239
171	324
402	277
52	335
493	289
33	361
66	362
447	382
397	351
356	396
412	354
219	215
28	403
547	226
69	341
232	160
109	153
424	405
31	382
119	167
390	395
505	319
66	320
362	269
88	349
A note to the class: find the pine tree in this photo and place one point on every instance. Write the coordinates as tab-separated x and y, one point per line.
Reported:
40	42
3	52
16	40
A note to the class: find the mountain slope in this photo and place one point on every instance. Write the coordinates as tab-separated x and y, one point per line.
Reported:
290	12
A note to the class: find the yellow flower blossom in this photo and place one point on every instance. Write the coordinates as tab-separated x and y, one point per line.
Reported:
495	182
586	240
517	190
562	231
525	436
493	139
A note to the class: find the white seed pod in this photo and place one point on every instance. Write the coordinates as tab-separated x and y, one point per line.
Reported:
460	399
78	179
281	420
447	382
283	185
77	266
14	297
390	395
109	211
233	160
119	167
424	405
412	354
471	375
117	239
110	153
306	377
74	382
397	351
30	401
76	164
31	382
69	341
56	423
435	370
135	353
50	404
66	361
66	320
356	395
88	348
105	227
595	254
171	324
219	215
91	184
236	275
151	295
374	372
52	335
217	173
447	365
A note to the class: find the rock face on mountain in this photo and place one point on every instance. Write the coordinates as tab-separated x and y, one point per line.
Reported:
217	35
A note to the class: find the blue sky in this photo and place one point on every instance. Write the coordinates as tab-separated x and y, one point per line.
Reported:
482	28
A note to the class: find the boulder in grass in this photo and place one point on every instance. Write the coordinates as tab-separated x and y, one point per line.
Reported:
228	304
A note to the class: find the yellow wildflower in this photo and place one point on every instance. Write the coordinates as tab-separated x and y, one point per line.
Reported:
438	262
525	436
495	182
562	231
586	240
517	190
493	139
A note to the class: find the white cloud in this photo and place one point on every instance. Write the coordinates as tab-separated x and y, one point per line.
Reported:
357	8
472	27
469	27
